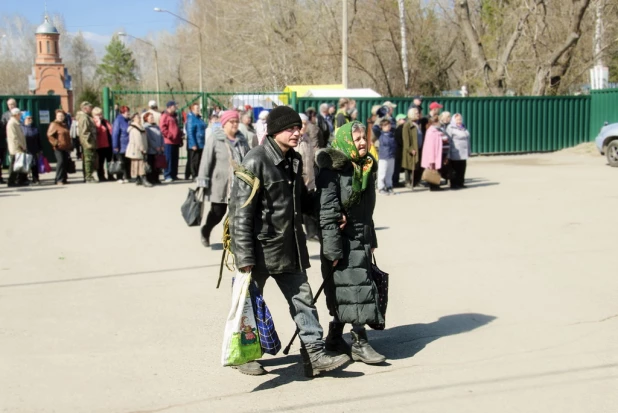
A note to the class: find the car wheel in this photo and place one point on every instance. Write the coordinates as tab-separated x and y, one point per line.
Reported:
612	153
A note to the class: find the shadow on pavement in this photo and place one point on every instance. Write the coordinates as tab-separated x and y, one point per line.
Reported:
216	247
294	372
480	185
31	188
406	341
100	277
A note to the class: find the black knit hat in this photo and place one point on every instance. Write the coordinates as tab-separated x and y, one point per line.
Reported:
282	118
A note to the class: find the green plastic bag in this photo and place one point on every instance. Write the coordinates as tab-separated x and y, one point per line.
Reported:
241	340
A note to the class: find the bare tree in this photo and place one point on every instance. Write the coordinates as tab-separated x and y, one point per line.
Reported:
552	69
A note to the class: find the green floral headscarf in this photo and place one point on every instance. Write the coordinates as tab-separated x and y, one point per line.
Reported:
362	166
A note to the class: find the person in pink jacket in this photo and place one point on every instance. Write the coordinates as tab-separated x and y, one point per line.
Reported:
432	149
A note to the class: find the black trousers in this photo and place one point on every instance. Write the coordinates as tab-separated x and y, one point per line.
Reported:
34	169
2	157
311	226
397	170
78	147
126	166
215	216
458	175
195	160
188	165
62	157
104	154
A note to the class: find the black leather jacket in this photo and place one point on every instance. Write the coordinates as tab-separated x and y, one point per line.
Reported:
268	232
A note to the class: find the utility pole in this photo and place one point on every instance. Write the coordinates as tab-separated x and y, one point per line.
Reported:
344	45
404	49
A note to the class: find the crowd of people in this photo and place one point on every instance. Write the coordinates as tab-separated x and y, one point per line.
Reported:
139	146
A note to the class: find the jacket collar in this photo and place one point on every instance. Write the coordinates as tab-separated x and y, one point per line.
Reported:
139	128
274	153
219	134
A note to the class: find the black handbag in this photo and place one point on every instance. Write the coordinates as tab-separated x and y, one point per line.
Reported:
193	207
115	167
71	169
380	279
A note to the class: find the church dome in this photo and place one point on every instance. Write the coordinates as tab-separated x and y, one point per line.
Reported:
47	28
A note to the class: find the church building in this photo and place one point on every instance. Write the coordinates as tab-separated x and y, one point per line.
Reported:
49	76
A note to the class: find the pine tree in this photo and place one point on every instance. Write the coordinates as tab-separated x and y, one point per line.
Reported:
118	66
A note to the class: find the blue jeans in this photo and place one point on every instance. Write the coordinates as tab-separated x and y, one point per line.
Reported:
171	155
297	292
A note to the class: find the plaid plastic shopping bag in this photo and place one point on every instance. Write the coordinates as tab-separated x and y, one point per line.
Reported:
269	339
241	341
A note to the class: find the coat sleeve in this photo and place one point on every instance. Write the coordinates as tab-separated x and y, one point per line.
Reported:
406	141
191	132
164	126
376	131
203	176
243	216
374	236
329	214
85	134
52	133
116	135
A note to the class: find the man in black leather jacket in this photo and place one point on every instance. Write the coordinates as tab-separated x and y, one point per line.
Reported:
266	226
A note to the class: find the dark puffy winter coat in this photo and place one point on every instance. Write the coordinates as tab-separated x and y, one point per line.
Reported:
351	295
33	139
268	232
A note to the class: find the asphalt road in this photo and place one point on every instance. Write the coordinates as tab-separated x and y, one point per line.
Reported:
503	299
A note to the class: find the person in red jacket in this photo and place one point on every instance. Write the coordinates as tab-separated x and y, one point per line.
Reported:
172	135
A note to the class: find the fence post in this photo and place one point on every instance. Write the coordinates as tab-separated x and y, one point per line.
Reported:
294	101
106	103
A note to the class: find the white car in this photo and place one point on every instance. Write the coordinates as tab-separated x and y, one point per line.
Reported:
607	143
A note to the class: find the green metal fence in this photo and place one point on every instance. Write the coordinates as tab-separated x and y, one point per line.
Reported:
43	110
603	108
497	124
503	124
138	100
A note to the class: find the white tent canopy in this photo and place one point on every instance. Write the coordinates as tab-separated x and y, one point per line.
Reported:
337	93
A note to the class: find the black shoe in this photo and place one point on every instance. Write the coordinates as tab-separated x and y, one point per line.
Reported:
2	181
436	189
12	185
335	341
362	350
146	183
138	181
317	361
205	241
252	368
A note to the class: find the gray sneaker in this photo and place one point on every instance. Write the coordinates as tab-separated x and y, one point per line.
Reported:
252	368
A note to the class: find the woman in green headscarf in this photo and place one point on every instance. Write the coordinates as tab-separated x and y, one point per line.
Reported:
346	186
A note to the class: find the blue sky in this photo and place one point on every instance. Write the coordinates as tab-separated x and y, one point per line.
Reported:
98	20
